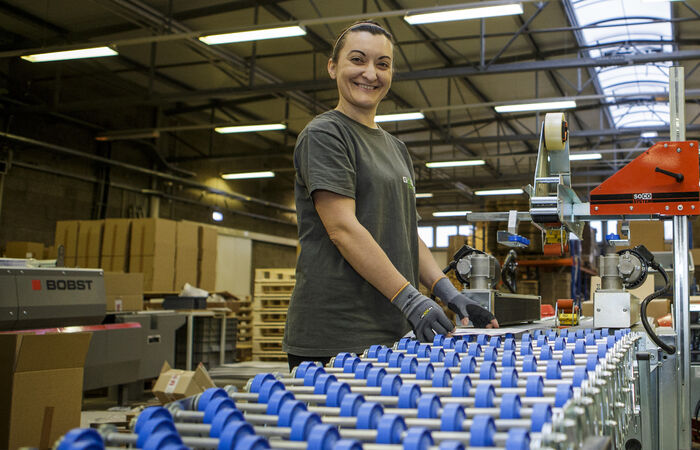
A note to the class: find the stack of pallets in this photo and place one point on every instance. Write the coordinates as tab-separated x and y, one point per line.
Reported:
273	290
244	346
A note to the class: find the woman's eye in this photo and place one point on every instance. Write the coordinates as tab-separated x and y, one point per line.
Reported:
356	59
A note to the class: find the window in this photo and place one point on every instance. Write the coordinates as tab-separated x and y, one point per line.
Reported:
466	230
443	233
668	230
611	227
598	227
426	234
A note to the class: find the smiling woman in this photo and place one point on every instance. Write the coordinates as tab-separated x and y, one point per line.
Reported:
360	254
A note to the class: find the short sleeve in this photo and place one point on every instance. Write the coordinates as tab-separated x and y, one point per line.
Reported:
323	160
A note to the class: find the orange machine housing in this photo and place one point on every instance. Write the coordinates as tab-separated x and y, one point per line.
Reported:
642	187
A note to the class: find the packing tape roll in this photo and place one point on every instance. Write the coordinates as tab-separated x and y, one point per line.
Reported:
556	131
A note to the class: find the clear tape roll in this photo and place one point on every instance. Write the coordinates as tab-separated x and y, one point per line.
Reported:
555	131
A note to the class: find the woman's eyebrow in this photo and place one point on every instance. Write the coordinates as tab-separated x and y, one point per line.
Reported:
385	57
358	51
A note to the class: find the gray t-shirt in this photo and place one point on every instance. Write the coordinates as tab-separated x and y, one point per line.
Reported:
333	308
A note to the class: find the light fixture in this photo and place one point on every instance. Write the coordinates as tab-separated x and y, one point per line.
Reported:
253	35
649	134
450	213
499	192
398	117
476	12
94	52
584	156
540	106
251	128
439	164
424	195
247	175
217	216
127	135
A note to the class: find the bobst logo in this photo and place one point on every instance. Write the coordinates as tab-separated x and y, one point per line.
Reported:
63	285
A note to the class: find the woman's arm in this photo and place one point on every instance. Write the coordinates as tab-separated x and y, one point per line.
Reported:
429	271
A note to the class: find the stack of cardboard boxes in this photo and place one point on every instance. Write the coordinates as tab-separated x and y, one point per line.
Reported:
67	236
206	258
186	254
115	245
152	252
89	243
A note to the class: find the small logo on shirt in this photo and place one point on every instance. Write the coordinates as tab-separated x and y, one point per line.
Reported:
409	182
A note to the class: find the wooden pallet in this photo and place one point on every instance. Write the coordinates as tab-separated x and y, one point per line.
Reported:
271	301
270	316
268	331
267	345
276	275
279	289
270	356
244	354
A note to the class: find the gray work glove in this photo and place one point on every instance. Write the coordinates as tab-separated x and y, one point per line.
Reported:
425	316
463	305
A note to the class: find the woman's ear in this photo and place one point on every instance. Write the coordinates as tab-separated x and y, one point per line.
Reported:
331	68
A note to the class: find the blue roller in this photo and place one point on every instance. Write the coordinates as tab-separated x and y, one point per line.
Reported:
474	349
215	406
87	438
580	347
453	418
255	385
442	377
468	365
347	444
409	365
152	427
564	333
529	363
559	343
339	360
383	354
234	433
553	370
311	375
322	437
518	439
408	396
510	406
580	334
424	371
391	385
390	429
351	364
368	416
568	358
417	438
483	396
253	443
218	425
618	335
525	338
461	346
375	376
542	340
288	411
451	445
373	350
268	388
509	377
487	371
536	334
525	348
412	347
534	386
546	353
509	344
423	351
590	339
362	370
571	338
597	334
323	383
541	414
276	400
508	358
563	394
438	340
300	371
495	341
551	334
152	412
162	440
449	343
402	343
491	354
461	384
350	405
605	332
214	393
602	350
580	375
611	341
429	406
302	424
482	339
591	362
395	359
482	431
452	359
335	394
437	355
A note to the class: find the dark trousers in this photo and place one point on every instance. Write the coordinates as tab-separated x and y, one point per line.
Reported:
295	360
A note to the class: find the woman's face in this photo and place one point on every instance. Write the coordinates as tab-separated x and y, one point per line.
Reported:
364	69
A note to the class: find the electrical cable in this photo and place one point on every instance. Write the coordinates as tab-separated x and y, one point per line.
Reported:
670	349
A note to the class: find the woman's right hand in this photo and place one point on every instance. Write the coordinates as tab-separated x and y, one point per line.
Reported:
425	316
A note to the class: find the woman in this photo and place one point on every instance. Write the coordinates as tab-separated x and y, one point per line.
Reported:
360	252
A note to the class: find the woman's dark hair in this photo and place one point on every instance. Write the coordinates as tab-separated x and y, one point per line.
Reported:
369	26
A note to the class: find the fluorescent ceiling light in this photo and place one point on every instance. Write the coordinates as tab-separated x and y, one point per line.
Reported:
253	35
584	156
541	106
438	164
499	192
649	134
399	117
424	195
217	216
95	52
251	128
247	175
478	12
450	213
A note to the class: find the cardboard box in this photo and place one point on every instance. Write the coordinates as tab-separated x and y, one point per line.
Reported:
206	263
67	236
587	308
158	272
89	243
186	254
174	384
650	233
22	249
50	252
124	291
658	307
42	379
153	237
115	239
